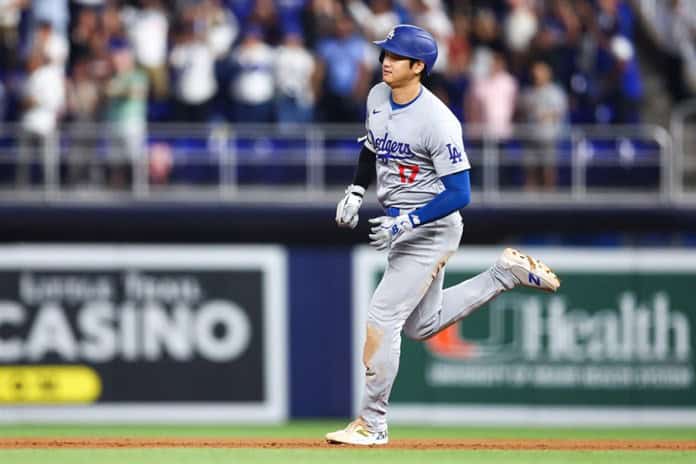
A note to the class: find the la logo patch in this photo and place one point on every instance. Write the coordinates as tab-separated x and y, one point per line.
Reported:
391	34
455	155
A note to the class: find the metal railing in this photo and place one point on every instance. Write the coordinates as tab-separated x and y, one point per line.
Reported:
313	163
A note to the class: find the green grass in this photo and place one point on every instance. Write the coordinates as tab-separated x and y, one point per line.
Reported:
316	429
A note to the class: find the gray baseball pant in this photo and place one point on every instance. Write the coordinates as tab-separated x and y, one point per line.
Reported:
410	297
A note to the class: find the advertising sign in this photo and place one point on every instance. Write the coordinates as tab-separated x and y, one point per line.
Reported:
617	338
143	333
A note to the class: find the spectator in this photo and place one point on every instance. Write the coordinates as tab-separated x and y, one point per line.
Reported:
376	18
578	38
431	16
319	20
86	26
615	17
545	107
241	9
253	86
485	39
147	30
557	41
83	98
583	87
676	33
457	74
160	163
296	81
55	12
126	94
493	99
519	29
112	23
42	102
10	14
193	64
459	47
110	31
375	22
48	43
290	12
345	69
221	27
621	85
520	26
99	58
3	101
264	15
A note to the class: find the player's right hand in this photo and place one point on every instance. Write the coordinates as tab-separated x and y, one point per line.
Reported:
386	229
347	208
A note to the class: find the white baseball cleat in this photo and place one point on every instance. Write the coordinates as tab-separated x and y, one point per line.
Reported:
529	271
357	433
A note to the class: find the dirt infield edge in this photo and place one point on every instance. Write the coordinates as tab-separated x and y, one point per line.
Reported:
271	443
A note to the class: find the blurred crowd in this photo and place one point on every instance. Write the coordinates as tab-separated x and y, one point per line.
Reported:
127	62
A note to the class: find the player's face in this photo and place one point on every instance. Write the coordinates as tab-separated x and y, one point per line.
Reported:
397	70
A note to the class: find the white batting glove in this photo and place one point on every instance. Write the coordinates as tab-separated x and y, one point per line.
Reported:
386	229
347	208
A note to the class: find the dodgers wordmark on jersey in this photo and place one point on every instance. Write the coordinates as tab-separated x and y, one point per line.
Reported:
415	144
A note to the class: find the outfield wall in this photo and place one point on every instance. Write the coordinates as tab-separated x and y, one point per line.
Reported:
143	333
615	345
261	333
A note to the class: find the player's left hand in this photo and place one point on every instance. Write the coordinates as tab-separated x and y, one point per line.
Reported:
386	229
347	208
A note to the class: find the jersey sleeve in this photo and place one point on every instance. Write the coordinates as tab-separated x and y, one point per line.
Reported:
444	142
368	143
368	140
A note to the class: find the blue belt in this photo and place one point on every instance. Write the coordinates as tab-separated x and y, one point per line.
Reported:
393	212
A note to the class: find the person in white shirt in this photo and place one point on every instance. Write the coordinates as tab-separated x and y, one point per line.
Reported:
42	101
431	15
147	30
49	43
221	27
520	26
296	81
253	87
193	63
375	19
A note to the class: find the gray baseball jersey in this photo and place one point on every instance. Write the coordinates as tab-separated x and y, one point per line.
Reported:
415	144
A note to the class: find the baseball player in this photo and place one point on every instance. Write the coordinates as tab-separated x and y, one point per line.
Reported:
414	149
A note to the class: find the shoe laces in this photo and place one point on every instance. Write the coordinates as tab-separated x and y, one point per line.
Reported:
356	425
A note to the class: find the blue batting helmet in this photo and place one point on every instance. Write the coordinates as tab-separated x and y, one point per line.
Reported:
411	42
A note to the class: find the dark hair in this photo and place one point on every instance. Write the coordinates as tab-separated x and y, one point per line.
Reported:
414	61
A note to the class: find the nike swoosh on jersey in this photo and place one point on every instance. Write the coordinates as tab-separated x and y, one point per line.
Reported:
375	111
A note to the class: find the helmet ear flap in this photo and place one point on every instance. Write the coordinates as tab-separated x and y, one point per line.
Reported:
381	56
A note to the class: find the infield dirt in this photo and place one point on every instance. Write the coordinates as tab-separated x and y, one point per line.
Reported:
478	444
